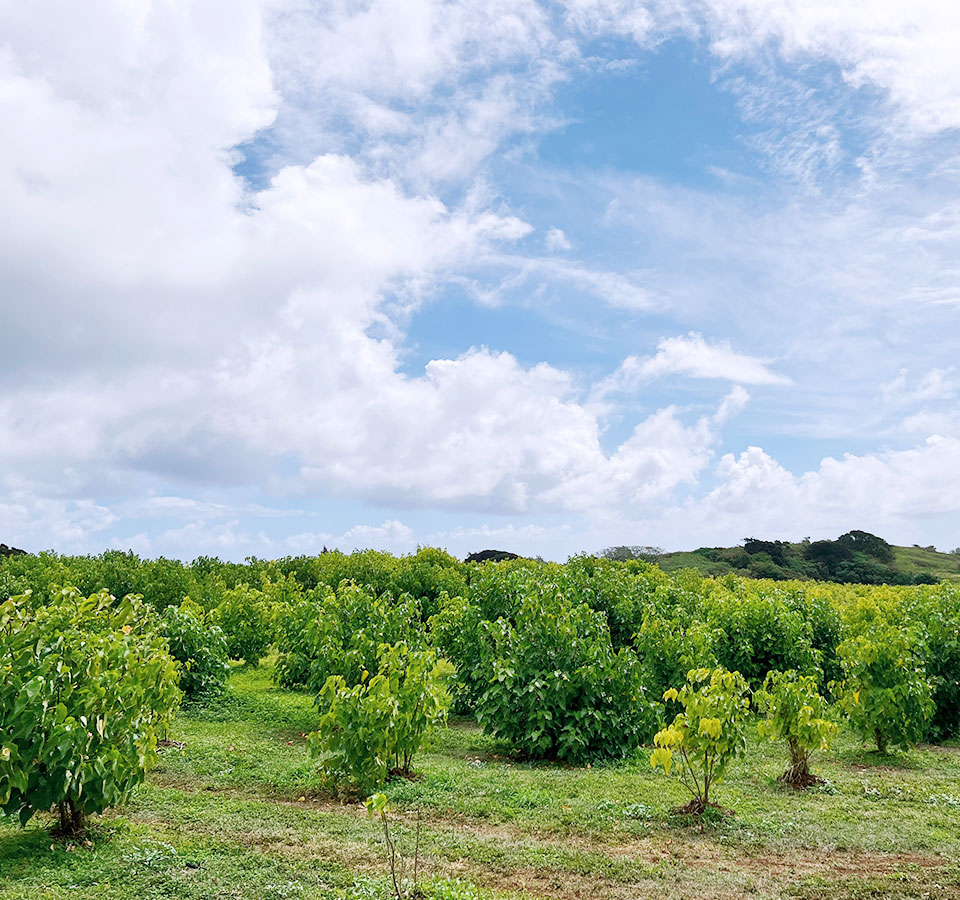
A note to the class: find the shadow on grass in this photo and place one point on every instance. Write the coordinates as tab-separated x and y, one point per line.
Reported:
33	851
864	758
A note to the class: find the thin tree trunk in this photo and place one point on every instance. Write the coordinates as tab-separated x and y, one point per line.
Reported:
881	740
73	820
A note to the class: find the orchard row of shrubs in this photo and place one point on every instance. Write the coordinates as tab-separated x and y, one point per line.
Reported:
578	662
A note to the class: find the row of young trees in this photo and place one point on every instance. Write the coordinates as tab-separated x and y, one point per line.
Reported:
577	662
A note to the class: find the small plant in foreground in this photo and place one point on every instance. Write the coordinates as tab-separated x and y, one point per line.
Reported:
376	805
707	735
795	713
373	729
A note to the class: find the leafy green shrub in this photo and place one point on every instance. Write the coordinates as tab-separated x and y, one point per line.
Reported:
707	735
344	639
632	591
795	713
12	585
372	730
278	594
939	611
885	690
498	588
208	586
455	630
613	589
428	574
113	570
669	647
824	626
755	632
371	569
198	645
295	641
86	688
163	583
42	574
246	624
556	688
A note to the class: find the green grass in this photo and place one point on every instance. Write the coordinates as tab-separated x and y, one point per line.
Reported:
690	559
238	812
912	560
945	566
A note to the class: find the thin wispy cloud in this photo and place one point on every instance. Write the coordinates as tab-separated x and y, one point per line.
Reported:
693	357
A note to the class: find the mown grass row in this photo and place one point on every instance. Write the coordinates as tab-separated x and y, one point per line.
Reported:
238	812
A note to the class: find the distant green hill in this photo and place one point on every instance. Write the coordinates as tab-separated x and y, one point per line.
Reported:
945	566
853	557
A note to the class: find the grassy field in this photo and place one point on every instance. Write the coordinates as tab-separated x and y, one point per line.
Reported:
236	812
912	560
945	566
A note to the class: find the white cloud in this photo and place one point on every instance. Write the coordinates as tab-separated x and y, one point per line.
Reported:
937	384
433	85
922	424
909	496
692	357
174	334
387	51
478	432
617	289
233	538
556	241
392	535
530	276
884	492
842	288
907	50
510	533
660	456
39	519
648	23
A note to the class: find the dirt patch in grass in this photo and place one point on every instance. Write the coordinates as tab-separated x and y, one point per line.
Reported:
945	749
711	876
699	854
661	864
836	863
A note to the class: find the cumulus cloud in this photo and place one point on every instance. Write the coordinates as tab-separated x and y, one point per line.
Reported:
391	534
39	518
234	538
886	492
660	456
220	219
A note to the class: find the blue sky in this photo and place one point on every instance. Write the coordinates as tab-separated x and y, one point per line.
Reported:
539	276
